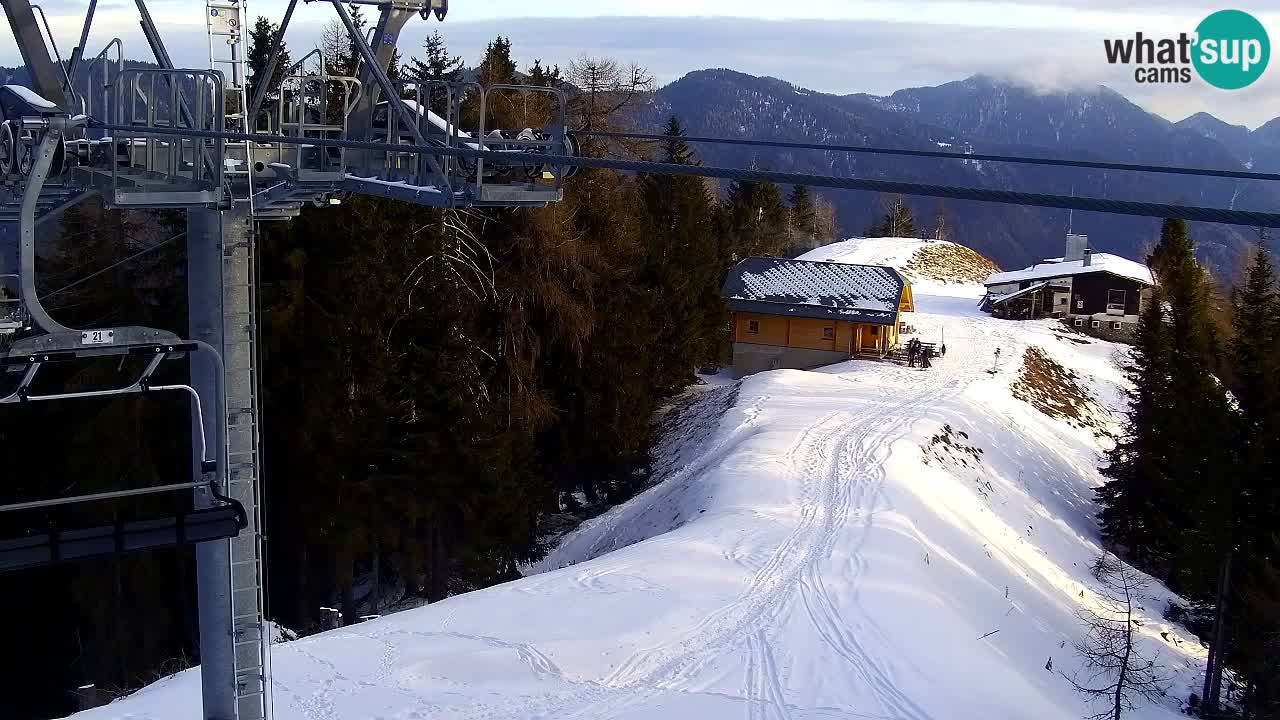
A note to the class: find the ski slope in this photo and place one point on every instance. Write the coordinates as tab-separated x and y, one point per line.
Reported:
811	553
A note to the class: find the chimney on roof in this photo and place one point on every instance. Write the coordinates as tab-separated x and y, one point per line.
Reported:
1076	245
1088	257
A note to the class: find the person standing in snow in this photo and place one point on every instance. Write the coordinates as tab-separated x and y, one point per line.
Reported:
911	353
924	358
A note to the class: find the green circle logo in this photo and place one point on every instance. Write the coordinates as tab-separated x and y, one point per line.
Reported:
1232	49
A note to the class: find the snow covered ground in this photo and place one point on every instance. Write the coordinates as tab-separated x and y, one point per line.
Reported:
812	553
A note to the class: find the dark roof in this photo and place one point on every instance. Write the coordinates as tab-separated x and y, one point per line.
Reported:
822	290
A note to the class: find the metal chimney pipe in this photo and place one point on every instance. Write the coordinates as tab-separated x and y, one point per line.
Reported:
1088	257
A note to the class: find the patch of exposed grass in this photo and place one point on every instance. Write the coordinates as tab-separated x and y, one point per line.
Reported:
948	262
1055	391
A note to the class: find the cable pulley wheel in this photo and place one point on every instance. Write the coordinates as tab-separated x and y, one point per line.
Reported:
8	148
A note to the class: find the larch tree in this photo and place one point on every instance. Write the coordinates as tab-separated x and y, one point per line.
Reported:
897	220
1116	675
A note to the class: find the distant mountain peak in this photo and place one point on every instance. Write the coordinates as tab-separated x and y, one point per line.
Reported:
1207	118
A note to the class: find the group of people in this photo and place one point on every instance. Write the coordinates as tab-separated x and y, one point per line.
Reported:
919	352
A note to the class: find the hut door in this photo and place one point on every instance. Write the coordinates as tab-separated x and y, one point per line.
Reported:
870	337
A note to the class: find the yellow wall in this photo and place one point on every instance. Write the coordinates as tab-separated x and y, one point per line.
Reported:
844	336
773	329
807	333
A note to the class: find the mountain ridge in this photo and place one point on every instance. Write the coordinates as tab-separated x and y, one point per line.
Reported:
978	114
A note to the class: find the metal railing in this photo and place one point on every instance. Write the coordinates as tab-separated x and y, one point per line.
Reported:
314	106
89	103
543	110
178	99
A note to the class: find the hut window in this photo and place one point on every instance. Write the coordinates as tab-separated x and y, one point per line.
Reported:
1115	299
753	326
1095	324
1079	322
1115	326
828	333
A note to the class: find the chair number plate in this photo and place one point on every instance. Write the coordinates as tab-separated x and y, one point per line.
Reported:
98	337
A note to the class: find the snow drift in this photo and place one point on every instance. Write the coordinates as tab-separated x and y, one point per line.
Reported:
862	541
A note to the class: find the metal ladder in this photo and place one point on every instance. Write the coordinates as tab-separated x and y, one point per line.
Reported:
240	353
226	22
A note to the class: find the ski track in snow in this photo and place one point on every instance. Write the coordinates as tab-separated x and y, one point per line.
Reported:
838	462
781	611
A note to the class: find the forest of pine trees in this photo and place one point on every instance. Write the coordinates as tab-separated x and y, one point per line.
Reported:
441	390
1192	488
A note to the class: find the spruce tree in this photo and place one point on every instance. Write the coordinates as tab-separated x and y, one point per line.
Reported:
261	38
756	219
351	60
1258	620
497	66
436	65
801	220
682	267
1256	385
1201	497
1132	514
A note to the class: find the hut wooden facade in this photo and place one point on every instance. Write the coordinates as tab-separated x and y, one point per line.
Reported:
804	314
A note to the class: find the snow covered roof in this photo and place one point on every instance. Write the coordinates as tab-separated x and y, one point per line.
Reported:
997	299
30	97
804	288
1101	262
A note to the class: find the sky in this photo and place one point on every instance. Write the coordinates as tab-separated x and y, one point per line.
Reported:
840	46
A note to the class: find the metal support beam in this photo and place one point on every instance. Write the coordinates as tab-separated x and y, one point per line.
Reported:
46	76
390	22
205	230
153	36
260	92
378	72
77	53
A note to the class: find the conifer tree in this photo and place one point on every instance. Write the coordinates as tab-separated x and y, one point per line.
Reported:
1132	516
436	65
261	38
1256	386
756	219
1258	656
1201	498
683	267
801	220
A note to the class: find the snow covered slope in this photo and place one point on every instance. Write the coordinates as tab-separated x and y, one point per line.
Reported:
864	541
935	267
